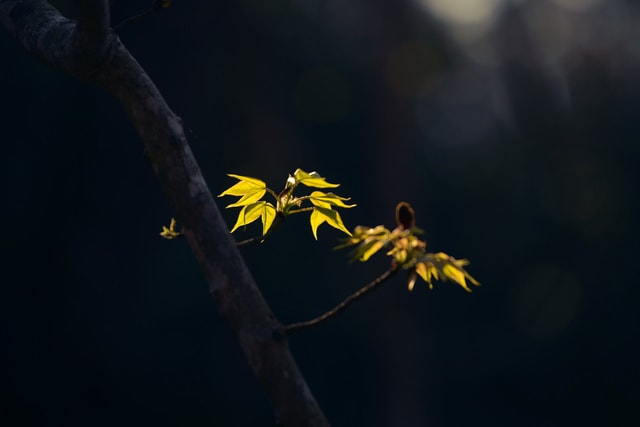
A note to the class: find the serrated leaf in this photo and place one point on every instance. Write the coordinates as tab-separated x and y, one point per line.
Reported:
312	179
326	200
331	217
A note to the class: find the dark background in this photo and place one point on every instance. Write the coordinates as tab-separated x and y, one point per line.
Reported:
511	127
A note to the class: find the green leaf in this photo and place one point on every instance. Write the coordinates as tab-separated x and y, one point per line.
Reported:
312	179
367	249
331	217
326	200
250	213
450	268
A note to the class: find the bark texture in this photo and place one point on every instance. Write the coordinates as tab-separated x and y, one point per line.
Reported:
88	50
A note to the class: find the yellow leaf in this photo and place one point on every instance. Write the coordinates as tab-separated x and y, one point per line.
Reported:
331	217
268	215
245	186
326	200
412	280
263	210
312	179
245	218
452	272
422	270
316	220
249	198
371	248
450	268
170	232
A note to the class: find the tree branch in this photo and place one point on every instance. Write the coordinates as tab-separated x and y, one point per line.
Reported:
93	22
300	326
60	43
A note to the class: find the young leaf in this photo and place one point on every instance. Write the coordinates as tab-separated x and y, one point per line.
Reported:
267	215
369	248
250	213
170	232
331	217
312	179
326	200
412	280
250	190
426	272
245	218
316	220
450	268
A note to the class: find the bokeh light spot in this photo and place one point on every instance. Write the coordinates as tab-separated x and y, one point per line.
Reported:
463	12
546	301
321	95
576	5
412	68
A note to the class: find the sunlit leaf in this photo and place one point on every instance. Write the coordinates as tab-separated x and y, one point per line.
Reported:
326	200
267	215
245	186
412	280
312	179
248	199
331	217
370	248
426	272
451	272
246	218
452	269
170	232
250	189
316	220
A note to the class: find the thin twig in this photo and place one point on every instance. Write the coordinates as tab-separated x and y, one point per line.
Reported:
250	241
259	239
157	5
133	19
296	327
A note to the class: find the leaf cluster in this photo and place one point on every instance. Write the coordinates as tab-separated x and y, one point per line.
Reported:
408	251
321	204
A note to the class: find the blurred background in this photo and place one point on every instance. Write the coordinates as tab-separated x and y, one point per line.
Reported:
511	126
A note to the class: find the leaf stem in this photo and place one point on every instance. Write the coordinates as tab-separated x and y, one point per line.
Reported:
307	209
300	326
259	239
157	5
273	193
